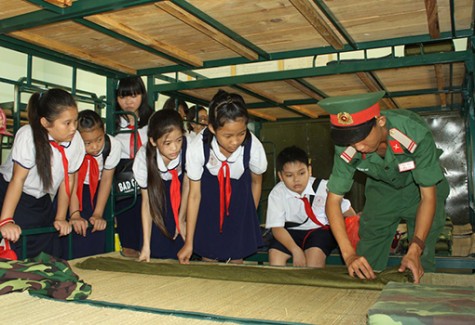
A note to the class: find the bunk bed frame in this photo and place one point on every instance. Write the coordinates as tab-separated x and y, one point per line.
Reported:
422	53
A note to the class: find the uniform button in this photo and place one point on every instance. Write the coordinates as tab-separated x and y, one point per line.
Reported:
393	180
386	168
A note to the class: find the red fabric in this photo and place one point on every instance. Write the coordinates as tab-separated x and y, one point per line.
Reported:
224	192
358	117
175	196
89	163
65	165
396	146
311	215
352	229
6	252
132	142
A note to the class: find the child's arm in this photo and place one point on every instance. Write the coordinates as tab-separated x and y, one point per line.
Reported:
256	187
183	205
11	231
350	212
282	235
97	220
75	218
194	199
146	227
60	223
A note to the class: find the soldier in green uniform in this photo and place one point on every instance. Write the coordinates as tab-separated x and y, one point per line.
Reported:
396	150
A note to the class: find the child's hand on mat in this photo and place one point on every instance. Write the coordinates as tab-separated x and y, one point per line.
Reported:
144	255
184	254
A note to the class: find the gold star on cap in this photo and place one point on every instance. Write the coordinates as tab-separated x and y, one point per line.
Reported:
344	118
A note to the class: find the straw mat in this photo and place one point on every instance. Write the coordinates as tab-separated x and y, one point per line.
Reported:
26	309
248	300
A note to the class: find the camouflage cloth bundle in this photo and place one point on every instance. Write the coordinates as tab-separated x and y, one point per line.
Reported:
404	303
43	275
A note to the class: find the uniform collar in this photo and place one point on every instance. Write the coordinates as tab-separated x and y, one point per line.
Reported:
172	165
62	144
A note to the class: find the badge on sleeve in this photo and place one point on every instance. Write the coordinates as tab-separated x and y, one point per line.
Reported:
396	146
405	166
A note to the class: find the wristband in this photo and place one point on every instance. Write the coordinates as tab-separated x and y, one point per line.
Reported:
71	214
419	242
5	221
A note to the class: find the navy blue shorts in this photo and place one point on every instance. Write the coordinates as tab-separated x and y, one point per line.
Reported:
305	239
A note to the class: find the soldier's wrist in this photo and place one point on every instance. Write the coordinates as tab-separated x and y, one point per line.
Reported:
418	242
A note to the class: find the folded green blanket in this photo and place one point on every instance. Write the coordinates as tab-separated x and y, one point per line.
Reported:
332	276
43	275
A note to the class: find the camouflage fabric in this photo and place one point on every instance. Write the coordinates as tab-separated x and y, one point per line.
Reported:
43	275
423	304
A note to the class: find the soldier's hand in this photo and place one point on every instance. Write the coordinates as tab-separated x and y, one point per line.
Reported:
412	261
359	266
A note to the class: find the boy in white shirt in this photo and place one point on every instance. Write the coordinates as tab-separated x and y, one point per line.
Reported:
296	213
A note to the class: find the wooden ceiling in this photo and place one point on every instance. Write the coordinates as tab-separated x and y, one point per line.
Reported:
157	37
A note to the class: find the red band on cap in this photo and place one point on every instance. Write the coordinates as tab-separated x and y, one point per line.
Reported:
346	119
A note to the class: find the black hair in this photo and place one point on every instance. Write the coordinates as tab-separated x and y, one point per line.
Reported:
161	123
88	120
49	105
174	103
225	107
132	86
289	155
192	115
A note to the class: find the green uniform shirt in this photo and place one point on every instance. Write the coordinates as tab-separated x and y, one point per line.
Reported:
427	171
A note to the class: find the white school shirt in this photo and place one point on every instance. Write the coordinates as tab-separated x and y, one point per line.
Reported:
140	167
124	138
111	161
284	205
195	159
23	152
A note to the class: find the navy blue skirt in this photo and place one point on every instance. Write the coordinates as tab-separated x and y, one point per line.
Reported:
241	235
33	213
129	223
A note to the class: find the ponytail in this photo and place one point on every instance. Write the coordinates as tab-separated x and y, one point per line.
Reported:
48	105
156	190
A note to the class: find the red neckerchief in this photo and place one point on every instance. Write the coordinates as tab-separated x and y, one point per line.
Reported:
89	163
65	165
311	215
132	141
175	196
224	192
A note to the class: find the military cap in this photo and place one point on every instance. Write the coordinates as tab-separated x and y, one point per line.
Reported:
352	117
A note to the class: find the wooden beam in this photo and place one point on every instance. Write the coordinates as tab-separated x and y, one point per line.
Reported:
206	29
368	80
260	92
145	39
432	18
255	112
318	22
309	92
439	75
60	3
305	111
71	51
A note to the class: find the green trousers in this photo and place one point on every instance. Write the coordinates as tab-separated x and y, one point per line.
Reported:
384	209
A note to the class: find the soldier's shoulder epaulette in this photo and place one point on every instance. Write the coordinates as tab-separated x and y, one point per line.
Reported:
348	154
403	139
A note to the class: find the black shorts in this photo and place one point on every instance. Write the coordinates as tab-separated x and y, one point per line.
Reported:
305	239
